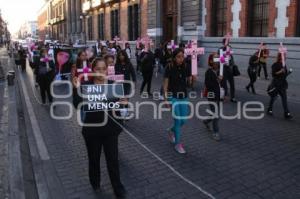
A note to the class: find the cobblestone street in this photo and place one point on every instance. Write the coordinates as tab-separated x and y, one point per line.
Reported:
255	159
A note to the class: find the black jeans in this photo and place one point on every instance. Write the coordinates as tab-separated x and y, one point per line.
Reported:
44	84
264	66
283	95
230	78
214	118
94	144
253	79
147	80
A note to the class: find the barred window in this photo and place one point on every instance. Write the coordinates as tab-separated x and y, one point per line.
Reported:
90	29
219	18
258	18
101	26
133	22
114	23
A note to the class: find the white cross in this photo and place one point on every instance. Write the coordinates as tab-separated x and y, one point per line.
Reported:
123	43
283	51
222	60
194	51
85	70
172	45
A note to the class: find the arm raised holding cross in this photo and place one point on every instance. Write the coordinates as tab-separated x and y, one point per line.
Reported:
283	51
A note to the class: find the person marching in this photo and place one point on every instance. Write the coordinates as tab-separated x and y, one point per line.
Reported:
81	59
213	84
105	136
22	56
45	74
175	91
263	56
252	72
147	68
124	67
280	84
228	73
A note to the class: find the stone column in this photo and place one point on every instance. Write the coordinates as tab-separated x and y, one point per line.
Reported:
236	23
282	21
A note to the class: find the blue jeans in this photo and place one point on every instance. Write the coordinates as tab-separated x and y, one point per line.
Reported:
180	110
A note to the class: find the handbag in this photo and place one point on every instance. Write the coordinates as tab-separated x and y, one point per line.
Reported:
235	70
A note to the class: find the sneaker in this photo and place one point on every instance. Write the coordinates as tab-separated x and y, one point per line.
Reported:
288	116
270	112
258	77
171	136
179	148
216	136
233	100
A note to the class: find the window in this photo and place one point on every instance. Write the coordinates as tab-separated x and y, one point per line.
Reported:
258	18
219	18
101	26
298	21
114	23
133	22
90	29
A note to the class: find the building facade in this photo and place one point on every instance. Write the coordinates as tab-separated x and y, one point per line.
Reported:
29	29
103	20
57	22
43	21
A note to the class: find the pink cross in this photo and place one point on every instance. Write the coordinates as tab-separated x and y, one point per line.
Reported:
228	37
116	39
46	59
194	51
283	51
111	74
173	46
138	42
260	49
85	70
147	41
222	60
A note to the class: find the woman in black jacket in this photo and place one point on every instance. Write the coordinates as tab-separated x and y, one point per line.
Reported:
105	136
147	67
124	67
45	74
252	72
280	73
213	84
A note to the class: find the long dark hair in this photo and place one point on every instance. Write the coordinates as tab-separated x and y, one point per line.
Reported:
174	54
78	61
279	58
124	54
95	62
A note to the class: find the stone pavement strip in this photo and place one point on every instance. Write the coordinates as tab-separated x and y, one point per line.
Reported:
255	159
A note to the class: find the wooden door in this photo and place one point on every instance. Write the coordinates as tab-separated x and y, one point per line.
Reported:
169	15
